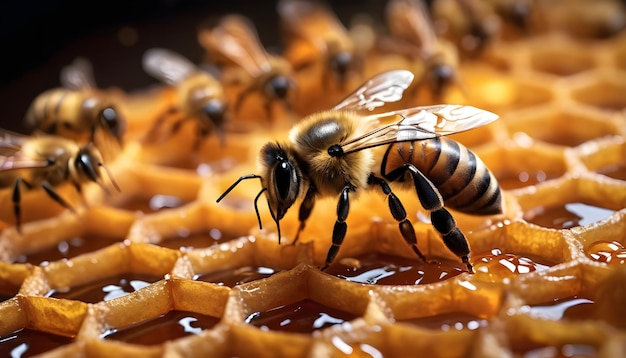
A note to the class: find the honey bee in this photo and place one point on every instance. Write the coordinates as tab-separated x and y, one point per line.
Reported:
77	109
200	95
47	161
411	26
319	36
234	41
346	150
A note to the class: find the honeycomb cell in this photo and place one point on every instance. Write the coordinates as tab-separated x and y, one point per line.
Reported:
604	93
564	127
563	58
607	157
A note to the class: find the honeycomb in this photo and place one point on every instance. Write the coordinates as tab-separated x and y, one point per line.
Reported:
161	269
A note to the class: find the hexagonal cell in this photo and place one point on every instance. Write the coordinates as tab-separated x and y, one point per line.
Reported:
607	157
605	93
561	58
11	278
570	202
516	166
561	127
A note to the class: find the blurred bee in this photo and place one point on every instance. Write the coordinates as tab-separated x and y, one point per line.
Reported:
343	151
200	95
233	41
47	161
412	31
77	109
315	34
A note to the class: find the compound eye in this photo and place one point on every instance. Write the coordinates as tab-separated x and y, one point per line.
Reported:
341	63
112	121
280	86
283	175
86	164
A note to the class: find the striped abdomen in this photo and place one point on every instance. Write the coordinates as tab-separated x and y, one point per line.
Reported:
464	181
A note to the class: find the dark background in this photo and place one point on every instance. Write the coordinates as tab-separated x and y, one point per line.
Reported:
39	37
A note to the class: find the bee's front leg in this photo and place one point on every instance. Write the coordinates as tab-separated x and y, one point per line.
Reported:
340	228
56	197
17	199
305	210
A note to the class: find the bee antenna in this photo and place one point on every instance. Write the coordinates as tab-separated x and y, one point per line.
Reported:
110	177
256	207
230	188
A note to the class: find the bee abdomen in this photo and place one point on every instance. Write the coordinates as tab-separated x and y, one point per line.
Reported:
464	181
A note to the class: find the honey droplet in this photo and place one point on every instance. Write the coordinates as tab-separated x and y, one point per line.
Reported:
615	171
304	316
610	252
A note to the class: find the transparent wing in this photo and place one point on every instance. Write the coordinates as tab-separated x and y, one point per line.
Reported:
312	21
410	20
383	88
236	39
167	66
78	75
11	156
419	123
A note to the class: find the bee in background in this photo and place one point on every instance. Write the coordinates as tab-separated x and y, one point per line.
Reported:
315	34
77	109
346	150
234	43
200	96
413	34
47	161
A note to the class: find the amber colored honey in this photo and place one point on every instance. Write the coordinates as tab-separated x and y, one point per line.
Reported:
610	252
106	289
195	240
454	321
304	316
566	215
515	180
237	276
26	343
572	308
170	326
502	265
376	268
615	171
150	204
66	249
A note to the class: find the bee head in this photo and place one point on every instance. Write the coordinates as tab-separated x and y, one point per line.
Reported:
87	166
111	120
215	112
278	87
282	178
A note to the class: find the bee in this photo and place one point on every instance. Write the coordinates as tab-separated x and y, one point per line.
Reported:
316	34
77	109
47	161
200	95
234	41
411	26
346	150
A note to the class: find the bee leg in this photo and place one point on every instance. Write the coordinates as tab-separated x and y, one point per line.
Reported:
17	199
399	213
56	197
340	228
441	219
305	210
241	97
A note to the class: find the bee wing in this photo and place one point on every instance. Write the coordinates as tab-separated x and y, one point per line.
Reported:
78	75
410	20
383	88
236	39
312	21
167	66
419	123
10	152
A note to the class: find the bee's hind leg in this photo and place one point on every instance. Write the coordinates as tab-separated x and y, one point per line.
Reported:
399	213
441	219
